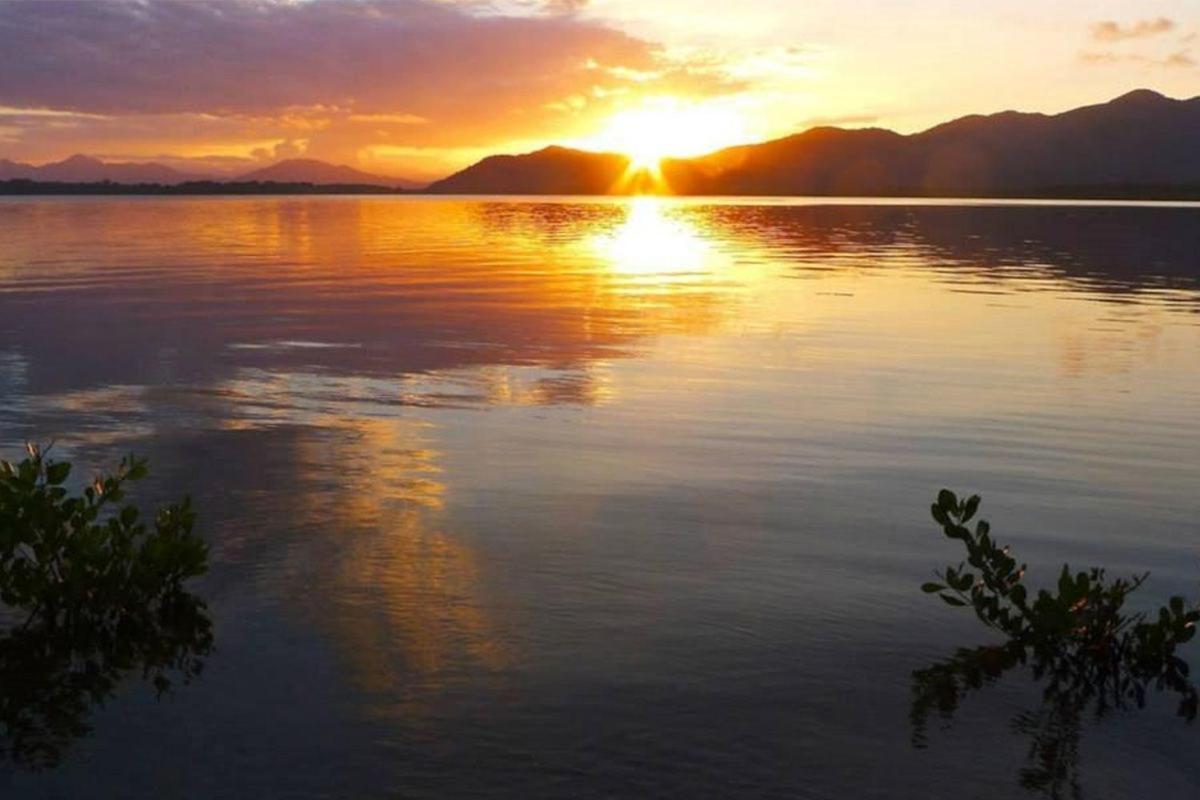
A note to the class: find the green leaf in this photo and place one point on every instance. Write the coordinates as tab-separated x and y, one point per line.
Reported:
57	472
137	469
970	508
930	588
952	601
1065	585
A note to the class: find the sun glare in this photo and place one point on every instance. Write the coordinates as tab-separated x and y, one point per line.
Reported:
651	244
666	128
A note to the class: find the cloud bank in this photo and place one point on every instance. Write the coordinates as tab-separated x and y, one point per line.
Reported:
338	75
264	56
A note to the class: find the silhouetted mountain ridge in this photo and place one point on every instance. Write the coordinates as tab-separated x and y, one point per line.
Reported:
85	169
82	169
1139	145
1138	142
551	170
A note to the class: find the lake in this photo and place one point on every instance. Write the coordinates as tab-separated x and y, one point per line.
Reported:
615	498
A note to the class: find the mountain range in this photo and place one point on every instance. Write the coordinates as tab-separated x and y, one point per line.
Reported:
1141	143
85	169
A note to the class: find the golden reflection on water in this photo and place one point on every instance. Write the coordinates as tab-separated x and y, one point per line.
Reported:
360	326
590	385
401	595
409	613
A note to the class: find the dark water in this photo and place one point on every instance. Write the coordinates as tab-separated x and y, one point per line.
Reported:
615	499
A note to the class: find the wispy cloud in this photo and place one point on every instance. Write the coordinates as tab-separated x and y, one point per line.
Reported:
390	119
847	120
1181	59
1113	31
1115	34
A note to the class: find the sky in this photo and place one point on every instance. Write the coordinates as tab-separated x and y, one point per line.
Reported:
419	88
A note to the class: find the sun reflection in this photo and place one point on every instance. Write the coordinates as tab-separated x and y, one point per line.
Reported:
651	242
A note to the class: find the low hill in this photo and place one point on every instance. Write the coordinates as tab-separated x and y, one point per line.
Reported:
553	170
309	170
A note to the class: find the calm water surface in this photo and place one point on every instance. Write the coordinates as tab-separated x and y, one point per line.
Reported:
608	499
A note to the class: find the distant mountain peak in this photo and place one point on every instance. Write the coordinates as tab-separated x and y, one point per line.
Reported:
79	168
1141	96
317	172
302	162
558	151
80	160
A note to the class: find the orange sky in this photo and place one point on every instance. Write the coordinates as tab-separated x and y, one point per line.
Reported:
421	87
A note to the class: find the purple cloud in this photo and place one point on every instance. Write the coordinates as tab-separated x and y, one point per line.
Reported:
265	56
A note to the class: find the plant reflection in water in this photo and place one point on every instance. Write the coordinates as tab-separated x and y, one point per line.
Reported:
1091	656
91	594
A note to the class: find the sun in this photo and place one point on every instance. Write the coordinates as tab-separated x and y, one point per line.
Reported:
663	128
647	136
